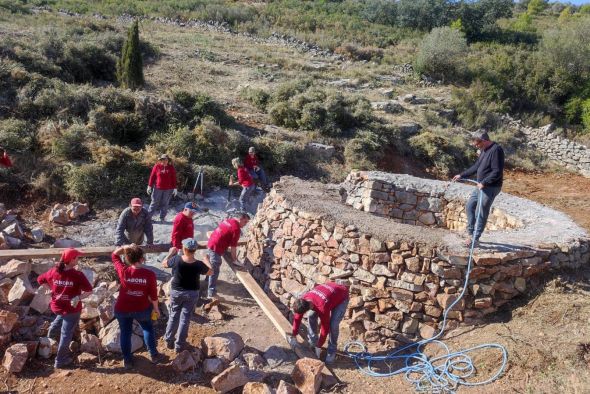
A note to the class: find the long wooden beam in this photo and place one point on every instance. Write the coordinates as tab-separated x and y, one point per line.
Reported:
278	320
89	251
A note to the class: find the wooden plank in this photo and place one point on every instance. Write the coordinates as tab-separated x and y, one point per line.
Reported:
278	320
89	251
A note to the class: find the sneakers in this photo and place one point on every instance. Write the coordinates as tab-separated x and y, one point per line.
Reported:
128	364
157	358
67	363
330	357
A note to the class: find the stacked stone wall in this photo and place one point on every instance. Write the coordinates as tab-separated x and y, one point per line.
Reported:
400	286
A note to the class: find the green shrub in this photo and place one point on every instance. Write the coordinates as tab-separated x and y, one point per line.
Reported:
586	115
313	116
87	62
70	144
130	65
121	128
363	152
573	110
200	106
282	114
287	90
436	150
258	97
535	7
17	135
477	106
86	182
442	54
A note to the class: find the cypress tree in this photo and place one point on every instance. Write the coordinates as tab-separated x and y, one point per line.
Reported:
130	65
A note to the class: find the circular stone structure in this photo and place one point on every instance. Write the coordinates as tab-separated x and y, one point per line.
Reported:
396	240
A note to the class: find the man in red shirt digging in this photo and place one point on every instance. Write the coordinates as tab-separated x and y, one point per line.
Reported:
225	236
328	302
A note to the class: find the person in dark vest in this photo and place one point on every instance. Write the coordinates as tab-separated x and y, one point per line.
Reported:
489	170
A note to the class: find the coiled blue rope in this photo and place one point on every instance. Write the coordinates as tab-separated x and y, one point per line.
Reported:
438	374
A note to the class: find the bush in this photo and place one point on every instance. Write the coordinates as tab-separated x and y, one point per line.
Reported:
477	106
86	182
438	150
87	62
120	128
201	106
70	144
17	135
360	53
258	97
442	54
586	115
282	114
573	110
364	151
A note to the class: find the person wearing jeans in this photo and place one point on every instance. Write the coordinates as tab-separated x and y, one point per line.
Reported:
489	168
226	235
184	291
137	300
245	180
68	286
328	302
161	186
252	164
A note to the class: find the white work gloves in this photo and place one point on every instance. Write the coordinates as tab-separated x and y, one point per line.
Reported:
292	341
74	301
149	190
318	351
174	192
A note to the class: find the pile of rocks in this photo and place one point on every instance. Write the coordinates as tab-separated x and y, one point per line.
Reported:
402	277
230	364
11	231
61	214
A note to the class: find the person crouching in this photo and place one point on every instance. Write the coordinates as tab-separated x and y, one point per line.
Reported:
138	300
184	291
68	286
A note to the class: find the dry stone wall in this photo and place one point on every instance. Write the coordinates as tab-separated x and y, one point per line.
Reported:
401	276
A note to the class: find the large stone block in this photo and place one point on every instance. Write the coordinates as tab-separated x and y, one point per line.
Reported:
231	378
307	375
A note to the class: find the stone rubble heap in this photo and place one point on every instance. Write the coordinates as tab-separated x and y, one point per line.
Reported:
401	277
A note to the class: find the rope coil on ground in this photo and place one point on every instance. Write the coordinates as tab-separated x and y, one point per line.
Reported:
438	374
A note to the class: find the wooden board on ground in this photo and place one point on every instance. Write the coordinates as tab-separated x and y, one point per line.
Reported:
89	251
277	318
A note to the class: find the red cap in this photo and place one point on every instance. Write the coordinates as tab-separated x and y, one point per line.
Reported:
70	254
136	202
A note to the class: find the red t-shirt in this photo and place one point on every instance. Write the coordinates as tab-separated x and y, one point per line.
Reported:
164	177
251	161
182	228
5	160
244	177
137	284
225	235
64	286
324	299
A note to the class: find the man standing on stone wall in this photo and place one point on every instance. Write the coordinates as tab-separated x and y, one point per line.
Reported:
489	168
136	222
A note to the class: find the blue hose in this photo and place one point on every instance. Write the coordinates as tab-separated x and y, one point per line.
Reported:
440	374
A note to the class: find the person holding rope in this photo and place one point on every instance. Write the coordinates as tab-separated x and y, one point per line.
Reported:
489	168
226	235
137	300
328	302
161	186
68	286
184	291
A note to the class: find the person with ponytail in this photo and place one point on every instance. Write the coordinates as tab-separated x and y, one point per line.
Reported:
68	286
138	300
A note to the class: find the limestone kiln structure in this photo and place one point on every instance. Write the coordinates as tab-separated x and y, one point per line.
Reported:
394	240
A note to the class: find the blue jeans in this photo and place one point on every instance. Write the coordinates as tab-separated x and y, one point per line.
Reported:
335	319
259	175
160	200
182	305
245	196
125	320
215	260
488	196
65	326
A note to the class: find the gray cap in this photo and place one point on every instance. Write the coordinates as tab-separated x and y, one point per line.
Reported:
190	244
480	134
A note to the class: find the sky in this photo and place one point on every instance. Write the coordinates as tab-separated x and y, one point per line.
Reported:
578	2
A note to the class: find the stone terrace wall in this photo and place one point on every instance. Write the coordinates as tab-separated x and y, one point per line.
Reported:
401	277
414	204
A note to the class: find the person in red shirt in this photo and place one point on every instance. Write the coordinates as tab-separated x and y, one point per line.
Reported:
245	180
68	286
4	159
161	186
252	164
137	300
226	235
328	302
183	226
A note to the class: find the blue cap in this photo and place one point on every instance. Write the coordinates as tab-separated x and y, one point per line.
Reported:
192	206
190	244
